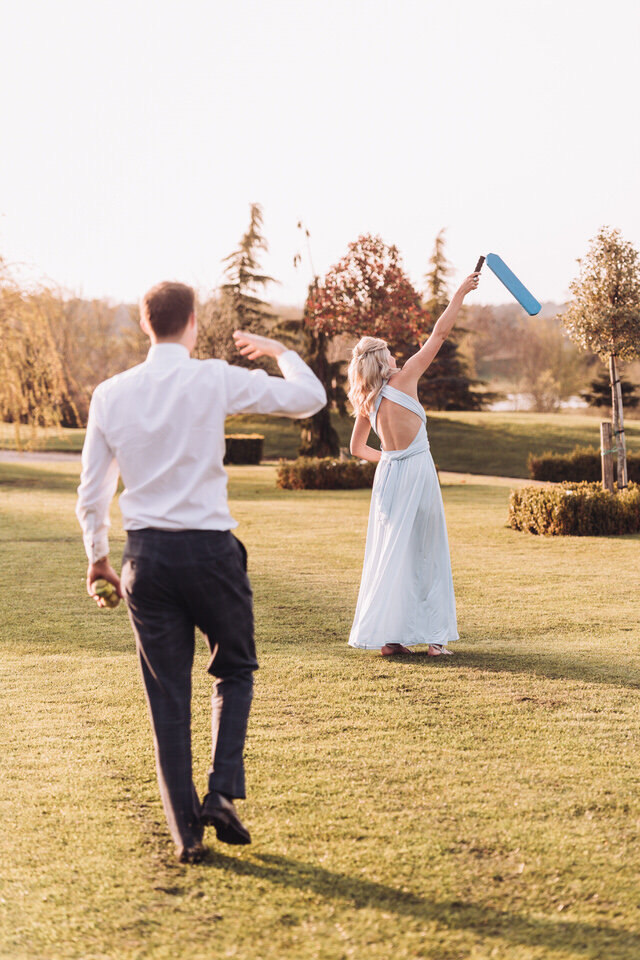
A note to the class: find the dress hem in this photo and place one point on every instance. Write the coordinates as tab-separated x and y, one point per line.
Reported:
404	643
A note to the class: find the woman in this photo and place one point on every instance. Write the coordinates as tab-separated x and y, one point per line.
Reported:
406	593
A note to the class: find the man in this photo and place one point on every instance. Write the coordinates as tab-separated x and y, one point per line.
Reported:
161	426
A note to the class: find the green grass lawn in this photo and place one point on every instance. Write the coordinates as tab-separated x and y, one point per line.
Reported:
484	806
495	444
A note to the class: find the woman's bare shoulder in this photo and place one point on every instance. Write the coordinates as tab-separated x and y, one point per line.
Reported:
405	382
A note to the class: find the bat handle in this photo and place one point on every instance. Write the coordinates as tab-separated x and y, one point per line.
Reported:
479	265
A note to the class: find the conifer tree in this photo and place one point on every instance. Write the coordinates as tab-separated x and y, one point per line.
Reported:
240	305
599	392
446	384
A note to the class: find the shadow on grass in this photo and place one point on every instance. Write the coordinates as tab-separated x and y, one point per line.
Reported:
586	939
35	478
586	669
561	667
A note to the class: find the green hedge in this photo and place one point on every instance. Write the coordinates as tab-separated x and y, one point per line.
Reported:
582	464
243	447
311	473
575	509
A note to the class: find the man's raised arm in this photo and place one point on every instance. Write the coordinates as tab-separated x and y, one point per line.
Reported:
300	394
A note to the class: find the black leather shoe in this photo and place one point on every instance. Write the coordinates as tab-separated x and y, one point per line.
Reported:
218	811
191	854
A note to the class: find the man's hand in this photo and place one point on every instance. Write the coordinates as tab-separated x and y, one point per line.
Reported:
252	345
102	570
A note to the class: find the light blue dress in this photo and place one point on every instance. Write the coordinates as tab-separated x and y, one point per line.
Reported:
406	592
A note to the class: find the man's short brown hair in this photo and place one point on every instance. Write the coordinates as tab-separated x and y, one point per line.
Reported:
167	308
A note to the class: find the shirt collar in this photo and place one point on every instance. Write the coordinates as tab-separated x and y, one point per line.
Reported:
168	354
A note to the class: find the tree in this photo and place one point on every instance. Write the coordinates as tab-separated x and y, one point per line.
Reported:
367	292
446	384
599	394
239	305
32	383
318	436
550	369
95	340
604	316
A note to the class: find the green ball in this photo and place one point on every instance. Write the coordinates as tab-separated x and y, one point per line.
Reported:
107	591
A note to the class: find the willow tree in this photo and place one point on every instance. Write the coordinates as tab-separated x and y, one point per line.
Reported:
33	389
604	316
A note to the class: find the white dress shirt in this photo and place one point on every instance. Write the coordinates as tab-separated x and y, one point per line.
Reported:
161	426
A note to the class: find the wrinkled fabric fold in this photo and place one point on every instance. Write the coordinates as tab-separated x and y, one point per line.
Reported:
389	471
406	592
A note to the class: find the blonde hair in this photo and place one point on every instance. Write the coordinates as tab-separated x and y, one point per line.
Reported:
368	370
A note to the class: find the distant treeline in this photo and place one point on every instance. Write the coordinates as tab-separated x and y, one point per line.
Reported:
64	346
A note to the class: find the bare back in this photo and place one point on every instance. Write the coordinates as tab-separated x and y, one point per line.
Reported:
397	426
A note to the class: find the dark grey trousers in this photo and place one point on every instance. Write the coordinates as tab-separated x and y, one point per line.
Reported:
173	582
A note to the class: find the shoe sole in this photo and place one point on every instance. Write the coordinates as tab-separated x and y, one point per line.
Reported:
225	831
192	856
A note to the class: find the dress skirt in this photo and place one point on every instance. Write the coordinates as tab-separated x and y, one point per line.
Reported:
406	592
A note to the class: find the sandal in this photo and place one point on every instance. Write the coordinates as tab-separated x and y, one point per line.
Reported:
436	649
392	649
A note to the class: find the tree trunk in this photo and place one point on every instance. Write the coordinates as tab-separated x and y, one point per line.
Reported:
606	444
318	438
618	422
317	435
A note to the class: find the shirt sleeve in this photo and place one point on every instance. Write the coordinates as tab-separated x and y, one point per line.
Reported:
300	394
98	483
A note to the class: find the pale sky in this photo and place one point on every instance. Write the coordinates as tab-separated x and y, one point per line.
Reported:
135	134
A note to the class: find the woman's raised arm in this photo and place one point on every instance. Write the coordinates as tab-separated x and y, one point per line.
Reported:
420	361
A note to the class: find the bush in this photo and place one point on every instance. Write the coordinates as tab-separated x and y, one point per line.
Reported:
575	509
311	473
243	448
582	464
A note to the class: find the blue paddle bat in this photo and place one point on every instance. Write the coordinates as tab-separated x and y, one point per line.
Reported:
511	282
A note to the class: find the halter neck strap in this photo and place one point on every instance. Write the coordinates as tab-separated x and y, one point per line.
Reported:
402	399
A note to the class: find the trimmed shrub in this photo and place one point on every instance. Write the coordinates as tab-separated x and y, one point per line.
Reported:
575	509
243	448
313	473
583	463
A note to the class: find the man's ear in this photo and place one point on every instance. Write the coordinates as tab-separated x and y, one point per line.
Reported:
144	326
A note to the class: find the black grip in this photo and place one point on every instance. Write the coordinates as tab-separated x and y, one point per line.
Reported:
479	265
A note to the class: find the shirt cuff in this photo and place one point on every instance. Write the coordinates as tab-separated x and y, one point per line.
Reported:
291	363
96	548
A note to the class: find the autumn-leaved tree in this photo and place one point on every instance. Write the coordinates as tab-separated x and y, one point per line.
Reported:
367	292
604	316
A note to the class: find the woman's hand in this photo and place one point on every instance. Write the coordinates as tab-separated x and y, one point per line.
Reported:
252	345
420	361
469	284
